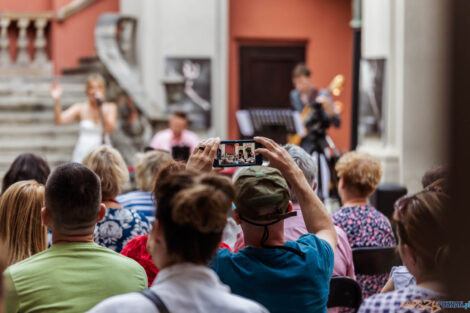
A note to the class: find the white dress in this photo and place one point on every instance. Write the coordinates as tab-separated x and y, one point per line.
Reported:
90	137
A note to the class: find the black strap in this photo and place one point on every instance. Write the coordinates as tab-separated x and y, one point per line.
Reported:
152	296
266	236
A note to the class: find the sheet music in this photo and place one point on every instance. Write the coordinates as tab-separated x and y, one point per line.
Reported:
299	125
244	123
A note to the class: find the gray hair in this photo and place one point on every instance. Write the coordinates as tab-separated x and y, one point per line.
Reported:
305	162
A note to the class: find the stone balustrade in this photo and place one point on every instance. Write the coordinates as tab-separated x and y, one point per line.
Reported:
15	29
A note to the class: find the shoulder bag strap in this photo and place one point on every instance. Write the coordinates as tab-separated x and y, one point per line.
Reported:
152	296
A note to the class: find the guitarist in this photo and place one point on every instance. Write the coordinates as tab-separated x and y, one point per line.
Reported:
318	114
304	93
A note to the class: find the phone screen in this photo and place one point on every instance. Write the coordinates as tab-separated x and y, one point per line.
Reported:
237	153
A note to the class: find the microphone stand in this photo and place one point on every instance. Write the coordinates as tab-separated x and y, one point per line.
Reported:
99	103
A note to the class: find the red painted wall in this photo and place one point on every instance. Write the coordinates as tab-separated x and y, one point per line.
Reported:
322	24
74	38
70	39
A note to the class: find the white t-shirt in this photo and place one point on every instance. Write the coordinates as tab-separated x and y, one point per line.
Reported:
184	288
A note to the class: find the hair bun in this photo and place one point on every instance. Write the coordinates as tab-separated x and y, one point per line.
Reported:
202	207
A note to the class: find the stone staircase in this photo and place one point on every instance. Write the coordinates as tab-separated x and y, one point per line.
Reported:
27	119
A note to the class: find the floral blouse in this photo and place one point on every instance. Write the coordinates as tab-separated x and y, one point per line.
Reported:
366	227
119	226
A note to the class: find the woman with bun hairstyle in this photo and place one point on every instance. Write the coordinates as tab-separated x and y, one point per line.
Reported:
21	228
191	216
423	249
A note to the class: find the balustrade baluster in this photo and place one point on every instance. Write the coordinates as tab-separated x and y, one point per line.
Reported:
23	56
5	59
40	42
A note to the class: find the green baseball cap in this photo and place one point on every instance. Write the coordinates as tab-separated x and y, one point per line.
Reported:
261	187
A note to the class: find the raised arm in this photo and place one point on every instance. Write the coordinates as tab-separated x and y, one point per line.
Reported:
317	220
67	116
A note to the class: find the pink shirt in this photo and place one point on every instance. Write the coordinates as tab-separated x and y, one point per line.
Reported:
294	227
164	140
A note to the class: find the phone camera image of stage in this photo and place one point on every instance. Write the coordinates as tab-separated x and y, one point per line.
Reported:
236	154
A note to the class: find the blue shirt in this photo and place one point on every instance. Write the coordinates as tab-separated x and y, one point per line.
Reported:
141	201
281	280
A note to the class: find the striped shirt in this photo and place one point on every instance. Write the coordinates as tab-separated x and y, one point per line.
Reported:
141	201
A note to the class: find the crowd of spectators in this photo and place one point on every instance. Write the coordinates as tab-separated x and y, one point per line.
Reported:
162	247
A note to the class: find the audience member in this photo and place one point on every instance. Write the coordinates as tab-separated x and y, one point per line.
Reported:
21	229
75	273
175	135
422	247
119	225
438	172
284	276
146	167
191	216
294	227
400	277
136	249
359	174
25	167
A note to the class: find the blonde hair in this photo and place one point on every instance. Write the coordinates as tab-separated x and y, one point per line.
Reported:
21	227
147	166
109	165
95	78
360	171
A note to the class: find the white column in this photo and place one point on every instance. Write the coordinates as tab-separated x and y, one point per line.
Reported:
417	53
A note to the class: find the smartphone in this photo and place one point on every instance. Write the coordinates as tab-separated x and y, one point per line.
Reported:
234	153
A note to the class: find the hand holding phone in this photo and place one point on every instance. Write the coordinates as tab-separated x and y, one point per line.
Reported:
202	158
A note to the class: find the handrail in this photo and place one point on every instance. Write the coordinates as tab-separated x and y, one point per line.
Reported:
72	8
117	55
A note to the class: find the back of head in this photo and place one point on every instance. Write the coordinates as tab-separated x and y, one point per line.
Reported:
26	166
360	172
167	170
21	227
434	174
73	197
110	167
419	221
262	194
305	162
192	210
147	166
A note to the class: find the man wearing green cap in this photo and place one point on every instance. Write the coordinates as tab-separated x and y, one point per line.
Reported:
284	276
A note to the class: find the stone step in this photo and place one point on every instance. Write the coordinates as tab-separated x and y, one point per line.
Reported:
89	60
40	146
36	103
26	117
84	69
38	130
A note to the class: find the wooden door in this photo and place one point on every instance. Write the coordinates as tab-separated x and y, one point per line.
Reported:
265	75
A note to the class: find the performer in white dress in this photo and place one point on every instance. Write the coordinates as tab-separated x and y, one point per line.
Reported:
97	118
